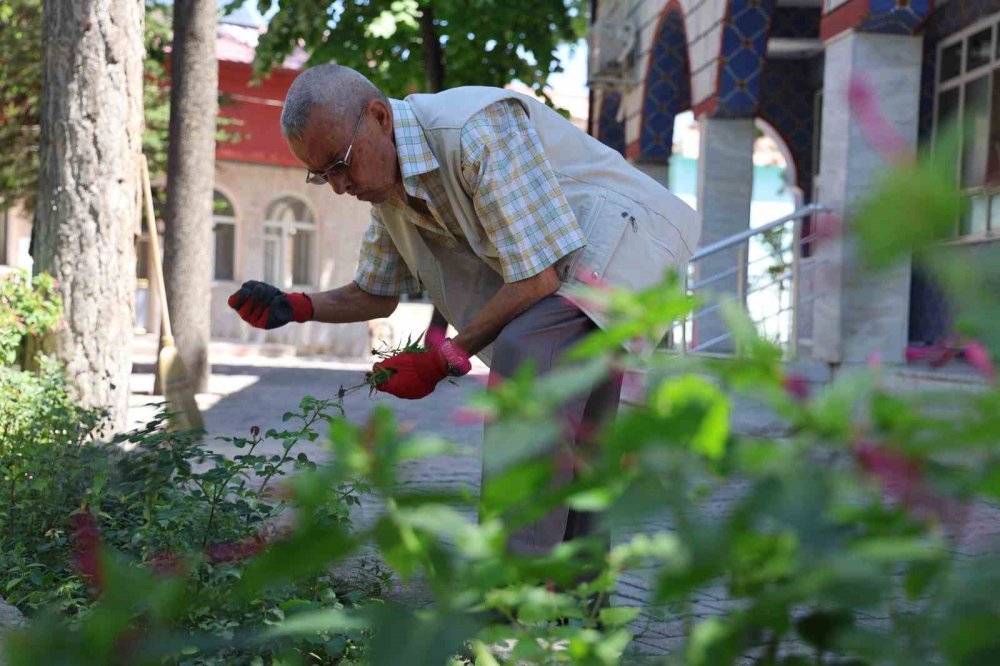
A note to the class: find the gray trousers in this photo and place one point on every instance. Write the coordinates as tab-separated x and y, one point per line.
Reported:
542	334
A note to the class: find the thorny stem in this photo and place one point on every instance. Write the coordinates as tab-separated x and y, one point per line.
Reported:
308	421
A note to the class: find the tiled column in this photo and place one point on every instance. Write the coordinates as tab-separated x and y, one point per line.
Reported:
725	187
658	171
856	314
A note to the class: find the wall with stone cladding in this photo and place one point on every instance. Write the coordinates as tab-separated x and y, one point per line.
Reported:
340	225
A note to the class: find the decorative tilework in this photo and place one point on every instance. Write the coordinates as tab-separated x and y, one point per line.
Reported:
610	131
957	14
788	104
667	87
744	43
898	17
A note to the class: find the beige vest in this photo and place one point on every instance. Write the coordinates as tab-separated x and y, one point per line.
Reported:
635	228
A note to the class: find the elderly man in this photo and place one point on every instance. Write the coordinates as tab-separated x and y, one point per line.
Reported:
492	203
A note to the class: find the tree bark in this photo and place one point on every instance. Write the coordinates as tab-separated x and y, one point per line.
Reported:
433	56
85	220
187	258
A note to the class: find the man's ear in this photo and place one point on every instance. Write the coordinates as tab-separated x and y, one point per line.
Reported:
382	114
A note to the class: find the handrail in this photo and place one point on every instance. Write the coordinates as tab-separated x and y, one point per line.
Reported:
743	236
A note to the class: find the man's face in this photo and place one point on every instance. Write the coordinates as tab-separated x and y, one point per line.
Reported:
373	166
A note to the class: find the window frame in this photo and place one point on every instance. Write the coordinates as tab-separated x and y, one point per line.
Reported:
960	83
287	229
232	220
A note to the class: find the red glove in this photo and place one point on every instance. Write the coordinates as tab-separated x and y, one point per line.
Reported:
416	374
263	306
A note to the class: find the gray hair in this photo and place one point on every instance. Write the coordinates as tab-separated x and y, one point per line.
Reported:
338	89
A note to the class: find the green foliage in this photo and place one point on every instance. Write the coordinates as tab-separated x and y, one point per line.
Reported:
483	42
20	78
29	307
829	545
164	508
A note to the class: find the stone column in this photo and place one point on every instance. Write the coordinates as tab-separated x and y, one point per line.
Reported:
857	315
725	187
658	171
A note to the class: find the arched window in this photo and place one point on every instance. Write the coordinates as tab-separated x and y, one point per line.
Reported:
224	233
289	243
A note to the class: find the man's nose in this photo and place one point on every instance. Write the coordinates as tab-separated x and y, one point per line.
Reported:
338	182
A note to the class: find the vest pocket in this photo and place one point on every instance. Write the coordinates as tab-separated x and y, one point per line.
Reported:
625	246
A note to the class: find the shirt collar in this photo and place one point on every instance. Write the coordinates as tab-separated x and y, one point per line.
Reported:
415	156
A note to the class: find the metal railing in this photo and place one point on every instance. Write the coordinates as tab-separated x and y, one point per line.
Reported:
769	269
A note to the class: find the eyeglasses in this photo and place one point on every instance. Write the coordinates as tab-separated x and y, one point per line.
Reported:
339	166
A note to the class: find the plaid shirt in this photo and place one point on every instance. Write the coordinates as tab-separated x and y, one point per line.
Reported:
517	199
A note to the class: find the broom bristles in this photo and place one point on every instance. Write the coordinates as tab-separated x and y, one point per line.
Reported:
178	391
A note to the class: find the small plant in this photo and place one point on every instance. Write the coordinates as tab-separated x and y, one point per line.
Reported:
375	378
29	306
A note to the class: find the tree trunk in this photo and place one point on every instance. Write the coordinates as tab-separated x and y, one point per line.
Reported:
187	251
433	56
91	133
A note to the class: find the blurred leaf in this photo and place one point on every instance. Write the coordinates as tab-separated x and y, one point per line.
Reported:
417	638
618	616
701	411
712	643
820	628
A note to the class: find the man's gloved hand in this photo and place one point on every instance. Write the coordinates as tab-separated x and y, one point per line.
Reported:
416	374
263	306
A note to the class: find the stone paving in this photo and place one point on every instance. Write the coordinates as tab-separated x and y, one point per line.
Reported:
247	391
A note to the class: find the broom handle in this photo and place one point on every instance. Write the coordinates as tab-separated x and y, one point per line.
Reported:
154	240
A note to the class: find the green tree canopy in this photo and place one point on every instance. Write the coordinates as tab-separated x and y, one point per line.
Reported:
407	46
21	83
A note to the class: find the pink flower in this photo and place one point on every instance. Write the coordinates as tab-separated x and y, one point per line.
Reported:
87	549
826	227
796	386
902	480
468	416
877	130
938	355
230	552
979	358
167	564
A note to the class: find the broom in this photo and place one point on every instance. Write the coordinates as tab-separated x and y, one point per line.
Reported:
177	386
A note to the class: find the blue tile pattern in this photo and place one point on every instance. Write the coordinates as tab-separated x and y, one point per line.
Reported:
744	44
898	17
611	132
667	87
957	14
788	103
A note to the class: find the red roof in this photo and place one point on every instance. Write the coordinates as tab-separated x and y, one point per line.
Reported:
255	107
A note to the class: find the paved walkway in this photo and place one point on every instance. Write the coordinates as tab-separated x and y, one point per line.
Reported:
249	391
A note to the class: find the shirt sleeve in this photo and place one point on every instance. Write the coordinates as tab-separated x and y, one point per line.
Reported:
381	269
515	192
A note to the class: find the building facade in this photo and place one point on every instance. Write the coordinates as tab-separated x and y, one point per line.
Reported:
784	66
269	223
